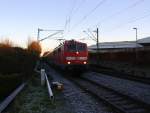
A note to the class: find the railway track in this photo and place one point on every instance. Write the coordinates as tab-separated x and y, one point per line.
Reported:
117	101
114	73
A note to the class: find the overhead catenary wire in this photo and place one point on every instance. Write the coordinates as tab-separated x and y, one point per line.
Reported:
58	31
90	36
79	6
130	21
115	14
68	17
89	13
71	14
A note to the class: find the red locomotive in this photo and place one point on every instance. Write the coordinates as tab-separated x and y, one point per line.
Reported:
69	55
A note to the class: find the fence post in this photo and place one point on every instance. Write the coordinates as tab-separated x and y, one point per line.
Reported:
42	77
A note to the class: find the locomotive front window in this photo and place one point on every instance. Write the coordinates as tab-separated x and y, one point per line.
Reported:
76	47
71	48
81	47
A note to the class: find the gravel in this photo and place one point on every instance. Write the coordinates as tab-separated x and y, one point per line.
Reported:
80	101
133	89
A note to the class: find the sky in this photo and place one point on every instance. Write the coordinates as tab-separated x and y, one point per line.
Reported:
20	19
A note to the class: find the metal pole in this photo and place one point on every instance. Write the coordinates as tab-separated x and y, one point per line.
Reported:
136	55
97	32
38	35
97	40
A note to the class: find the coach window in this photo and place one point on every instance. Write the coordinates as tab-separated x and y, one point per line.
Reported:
54	52
59	49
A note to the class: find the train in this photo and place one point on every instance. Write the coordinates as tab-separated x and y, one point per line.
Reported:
70	55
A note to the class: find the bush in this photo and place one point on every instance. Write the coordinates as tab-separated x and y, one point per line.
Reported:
18	60
8	83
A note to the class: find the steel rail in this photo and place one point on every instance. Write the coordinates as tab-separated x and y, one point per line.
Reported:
120	103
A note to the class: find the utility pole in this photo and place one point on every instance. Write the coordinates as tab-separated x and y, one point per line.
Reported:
97	42
136	49
38	35
97	32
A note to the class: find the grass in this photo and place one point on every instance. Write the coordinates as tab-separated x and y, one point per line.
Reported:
8	84
35	99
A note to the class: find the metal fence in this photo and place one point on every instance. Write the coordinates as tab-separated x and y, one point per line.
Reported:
12	96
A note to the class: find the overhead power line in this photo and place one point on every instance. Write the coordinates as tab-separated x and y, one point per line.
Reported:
120	12
91	37
131	21
68	17
89	13
73	11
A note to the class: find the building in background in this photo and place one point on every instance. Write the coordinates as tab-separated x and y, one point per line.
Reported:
120	46
144	41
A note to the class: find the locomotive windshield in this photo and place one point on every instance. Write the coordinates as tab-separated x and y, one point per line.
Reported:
81	47
71	48
76	47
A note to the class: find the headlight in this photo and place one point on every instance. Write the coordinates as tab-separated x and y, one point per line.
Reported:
84	62
70	58
68	62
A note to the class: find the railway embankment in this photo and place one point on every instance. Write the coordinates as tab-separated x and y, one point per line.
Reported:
139	91
127	68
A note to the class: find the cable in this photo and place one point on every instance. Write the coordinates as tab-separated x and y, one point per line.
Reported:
89	13
120	12
68	17
130	21
75	11
90	36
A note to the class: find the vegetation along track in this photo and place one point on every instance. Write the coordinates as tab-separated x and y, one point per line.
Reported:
115	73
118	102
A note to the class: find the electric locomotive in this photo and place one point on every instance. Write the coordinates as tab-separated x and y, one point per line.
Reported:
69	55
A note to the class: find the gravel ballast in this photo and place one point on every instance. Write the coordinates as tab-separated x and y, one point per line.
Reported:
80	101
131	88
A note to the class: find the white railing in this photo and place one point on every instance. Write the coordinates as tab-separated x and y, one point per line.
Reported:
43	79
9	99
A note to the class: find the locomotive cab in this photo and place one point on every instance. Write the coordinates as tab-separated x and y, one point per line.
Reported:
75	55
